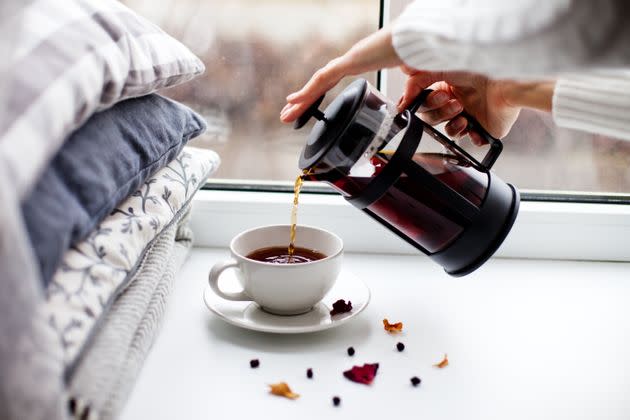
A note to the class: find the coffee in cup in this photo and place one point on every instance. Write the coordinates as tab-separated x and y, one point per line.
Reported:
280	255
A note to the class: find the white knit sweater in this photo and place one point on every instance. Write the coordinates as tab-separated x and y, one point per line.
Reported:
584	43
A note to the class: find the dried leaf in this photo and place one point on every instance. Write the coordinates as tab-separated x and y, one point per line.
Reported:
341	307
282	389
397	327
443	363
362	374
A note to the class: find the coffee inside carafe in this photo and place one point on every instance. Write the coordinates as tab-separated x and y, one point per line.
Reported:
415	210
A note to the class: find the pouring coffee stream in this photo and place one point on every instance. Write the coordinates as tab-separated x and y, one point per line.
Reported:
297	186
446	204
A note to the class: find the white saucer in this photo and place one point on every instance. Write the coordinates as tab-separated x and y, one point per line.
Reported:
249	315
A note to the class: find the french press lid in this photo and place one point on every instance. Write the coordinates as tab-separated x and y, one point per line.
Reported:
335	141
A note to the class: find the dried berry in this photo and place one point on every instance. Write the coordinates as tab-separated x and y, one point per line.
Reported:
443	363
350	351
282	389
340	307
309	373
254	363
400	346
415	381
397	327
336	401
362	374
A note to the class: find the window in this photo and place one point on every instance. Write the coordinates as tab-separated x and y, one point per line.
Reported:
256	52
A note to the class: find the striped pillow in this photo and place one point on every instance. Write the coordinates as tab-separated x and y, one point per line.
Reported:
72	58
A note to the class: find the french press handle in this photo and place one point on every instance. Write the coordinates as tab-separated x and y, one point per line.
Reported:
496	146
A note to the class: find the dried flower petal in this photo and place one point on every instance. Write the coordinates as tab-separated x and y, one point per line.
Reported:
443	363
282	389
397	327
362	374
341	307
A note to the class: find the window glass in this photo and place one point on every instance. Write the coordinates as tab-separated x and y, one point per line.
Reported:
538	155
256	52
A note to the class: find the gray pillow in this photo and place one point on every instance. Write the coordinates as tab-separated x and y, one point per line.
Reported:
101	164
72	58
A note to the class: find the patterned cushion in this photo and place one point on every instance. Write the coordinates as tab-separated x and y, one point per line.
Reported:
72	58
95	271
104	161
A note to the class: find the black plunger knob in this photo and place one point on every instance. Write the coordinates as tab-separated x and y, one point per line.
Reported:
311	111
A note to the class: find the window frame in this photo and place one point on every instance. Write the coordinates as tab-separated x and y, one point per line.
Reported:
543	229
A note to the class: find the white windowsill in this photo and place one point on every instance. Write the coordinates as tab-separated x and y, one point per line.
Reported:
598	232
526	339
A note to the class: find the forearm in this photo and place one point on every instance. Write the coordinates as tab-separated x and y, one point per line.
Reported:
598	103
375	52
531	94
372	53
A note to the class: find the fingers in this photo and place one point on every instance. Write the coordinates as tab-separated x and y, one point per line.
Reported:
321	82
444	113
456	128
476	138
291	112
436	99
418	82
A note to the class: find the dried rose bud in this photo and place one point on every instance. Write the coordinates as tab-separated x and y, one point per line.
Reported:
415	381
400	346
340	307
350	351
254	363
336	401
309	373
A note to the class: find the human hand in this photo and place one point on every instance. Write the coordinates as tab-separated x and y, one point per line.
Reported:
374	52
495	104
482	98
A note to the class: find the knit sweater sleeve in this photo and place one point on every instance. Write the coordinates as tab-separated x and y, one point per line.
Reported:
513	38
597	102
531	38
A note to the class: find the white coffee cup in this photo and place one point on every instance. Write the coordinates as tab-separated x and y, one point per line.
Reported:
282	289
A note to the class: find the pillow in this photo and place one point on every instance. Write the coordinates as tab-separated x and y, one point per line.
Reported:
103	162
72	58
101	380
98	269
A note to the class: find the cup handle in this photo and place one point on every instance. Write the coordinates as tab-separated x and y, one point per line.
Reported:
213	280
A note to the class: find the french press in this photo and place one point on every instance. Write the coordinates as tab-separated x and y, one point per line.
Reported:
409	177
